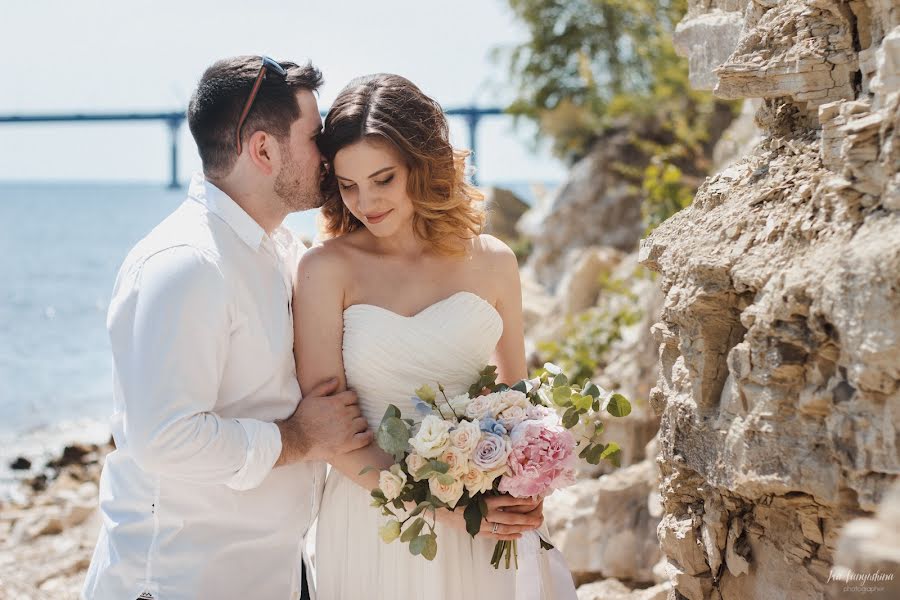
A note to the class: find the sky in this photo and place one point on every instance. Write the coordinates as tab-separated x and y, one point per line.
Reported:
92	56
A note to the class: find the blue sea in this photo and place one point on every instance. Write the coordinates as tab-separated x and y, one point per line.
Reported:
61	245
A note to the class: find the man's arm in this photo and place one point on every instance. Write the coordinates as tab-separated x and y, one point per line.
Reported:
170	332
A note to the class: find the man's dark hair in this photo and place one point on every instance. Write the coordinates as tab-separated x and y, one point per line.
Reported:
217	102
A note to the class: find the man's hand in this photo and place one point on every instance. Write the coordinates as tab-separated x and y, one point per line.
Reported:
512	517
322	426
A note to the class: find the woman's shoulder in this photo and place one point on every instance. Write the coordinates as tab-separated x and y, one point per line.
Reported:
494	251
326	259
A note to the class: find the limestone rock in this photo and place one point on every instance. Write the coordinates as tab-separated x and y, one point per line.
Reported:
613	589
504	209
866	547
779	338
580	287
592	194
604	527
708	38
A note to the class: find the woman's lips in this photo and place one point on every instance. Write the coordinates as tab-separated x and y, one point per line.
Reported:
377	217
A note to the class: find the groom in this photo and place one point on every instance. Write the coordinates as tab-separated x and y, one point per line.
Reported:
219	466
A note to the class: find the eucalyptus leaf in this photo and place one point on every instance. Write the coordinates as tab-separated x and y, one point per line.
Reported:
430	549
439	466
391	411
582	403
421	506
413	530
570	418
591	389
562	396
546	396
367	469
418	544
552	369
559	380
612	453
593	457
618	406
445	479
393	436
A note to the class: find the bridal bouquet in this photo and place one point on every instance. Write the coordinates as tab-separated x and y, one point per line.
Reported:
522	440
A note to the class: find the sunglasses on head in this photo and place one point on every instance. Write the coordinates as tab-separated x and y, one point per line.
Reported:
267	64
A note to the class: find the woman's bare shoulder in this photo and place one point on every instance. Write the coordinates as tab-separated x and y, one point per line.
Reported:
494	252
326	261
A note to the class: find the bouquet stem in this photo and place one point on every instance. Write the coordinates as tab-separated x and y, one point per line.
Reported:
507	551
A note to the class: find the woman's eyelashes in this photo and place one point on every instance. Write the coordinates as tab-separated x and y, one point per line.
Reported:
384	181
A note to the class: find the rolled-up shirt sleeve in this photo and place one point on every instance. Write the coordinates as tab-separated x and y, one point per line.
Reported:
170	323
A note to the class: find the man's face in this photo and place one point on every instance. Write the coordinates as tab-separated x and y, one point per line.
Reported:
298	181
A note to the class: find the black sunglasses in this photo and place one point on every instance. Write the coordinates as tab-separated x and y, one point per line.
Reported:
267	63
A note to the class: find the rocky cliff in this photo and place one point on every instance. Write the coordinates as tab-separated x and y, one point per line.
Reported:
779	342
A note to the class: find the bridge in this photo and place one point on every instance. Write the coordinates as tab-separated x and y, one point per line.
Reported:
174	120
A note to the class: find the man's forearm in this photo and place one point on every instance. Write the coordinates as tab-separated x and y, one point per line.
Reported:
294	445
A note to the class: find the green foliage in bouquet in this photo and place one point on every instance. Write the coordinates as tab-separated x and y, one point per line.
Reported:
412	506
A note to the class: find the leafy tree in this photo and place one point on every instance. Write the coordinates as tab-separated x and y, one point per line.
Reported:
593	66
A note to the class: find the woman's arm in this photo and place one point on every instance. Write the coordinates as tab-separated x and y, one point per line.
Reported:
318	336
509	356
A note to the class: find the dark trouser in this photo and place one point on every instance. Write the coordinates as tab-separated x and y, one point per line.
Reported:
304	586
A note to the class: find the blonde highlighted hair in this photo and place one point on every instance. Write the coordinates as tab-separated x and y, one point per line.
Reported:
447	209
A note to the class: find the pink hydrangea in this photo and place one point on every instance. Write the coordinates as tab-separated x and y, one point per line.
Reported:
542	460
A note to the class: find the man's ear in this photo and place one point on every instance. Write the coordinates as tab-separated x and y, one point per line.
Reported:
263	149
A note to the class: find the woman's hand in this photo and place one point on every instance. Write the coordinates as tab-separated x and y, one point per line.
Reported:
507	517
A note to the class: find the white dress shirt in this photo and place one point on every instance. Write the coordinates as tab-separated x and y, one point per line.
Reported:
202	339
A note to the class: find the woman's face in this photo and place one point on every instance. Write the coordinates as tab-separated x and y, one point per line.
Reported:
371	177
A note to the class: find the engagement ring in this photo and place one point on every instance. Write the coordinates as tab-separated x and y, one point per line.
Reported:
494	528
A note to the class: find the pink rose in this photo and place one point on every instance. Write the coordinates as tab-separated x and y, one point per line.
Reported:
541	460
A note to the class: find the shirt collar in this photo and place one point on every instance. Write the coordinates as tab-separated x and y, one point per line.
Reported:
221	205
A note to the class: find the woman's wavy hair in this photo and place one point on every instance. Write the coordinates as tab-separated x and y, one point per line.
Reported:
447	209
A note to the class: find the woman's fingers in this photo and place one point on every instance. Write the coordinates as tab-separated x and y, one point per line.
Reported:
526	521
506	501
501	533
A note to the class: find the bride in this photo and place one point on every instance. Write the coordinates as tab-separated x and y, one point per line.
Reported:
406	291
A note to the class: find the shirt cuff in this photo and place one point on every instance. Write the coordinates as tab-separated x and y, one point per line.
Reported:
263	450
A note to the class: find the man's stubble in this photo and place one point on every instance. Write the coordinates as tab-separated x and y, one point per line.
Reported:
298	190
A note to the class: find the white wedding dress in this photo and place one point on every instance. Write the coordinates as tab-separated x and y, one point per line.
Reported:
386	357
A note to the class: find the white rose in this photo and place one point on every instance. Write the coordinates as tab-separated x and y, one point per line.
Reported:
432	438
473	480
456	459
483	406
477	481
456	406
391	482
512	416
465	436
448	494
414	462
508	398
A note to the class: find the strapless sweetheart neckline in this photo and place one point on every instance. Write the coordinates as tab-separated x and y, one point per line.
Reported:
461	293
